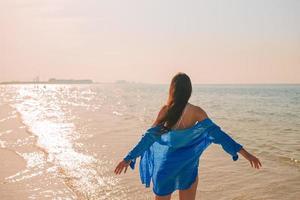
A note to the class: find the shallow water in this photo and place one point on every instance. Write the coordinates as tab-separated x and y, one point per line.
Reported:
70	138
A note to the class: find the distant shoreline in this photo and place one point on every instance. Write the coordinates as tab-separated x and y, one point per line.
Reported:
87	81
51	81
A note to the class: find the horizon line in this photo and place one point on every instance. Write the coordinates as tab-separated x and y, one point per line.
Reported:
139	82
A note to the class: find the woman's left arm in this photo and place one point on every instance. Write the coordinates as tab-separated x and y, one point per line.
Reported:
151	135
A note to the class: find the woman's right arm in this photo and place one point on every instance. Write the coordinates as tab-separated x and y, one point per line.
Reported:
227	142
254	161
218	136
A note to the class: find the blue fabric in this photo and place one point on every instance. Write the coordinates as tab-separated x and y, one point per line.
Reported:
171	159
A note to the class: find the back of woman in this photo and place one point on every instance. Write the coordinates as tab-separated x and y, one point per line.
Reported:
190	115
171	148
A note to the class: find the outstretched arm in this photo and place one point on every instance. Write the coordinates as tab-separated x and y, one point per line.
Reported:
146	141
254	161
232	147
228	144
218	136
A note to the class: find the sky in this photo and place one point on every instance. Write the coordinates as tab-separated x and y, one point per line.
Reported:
214	42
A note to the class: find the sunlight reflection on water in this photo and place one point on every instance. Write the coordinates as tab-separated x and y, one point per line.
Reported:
42	113
83	130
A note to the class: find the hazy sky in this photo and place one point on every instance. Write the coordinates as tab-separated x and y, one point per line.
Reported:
225	41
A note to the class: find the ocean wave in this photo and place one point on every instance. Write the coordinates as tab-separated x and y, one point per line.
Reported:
57	136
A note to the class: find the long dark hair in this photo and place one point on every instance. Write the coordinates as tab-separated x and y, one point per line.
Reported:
179	93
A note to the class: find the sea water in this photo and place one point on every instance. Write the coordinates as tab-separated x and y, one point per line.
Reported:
71	138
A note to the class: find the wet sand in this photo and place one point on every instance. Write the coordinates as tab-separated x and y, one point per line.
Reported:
20	178
10	164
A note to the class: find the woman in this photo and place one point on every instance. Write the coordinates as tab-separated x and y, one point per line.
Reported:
171	148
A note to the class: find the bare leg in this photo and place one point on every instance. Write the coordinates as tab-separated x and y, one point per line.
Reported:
189	194
167	197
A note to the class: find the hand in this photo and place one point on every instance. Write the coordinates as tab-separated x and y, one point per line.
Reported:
254	161
251	158
123	164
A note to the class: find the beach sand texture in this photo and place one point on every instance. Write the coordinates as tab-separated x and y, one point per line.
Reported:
64	141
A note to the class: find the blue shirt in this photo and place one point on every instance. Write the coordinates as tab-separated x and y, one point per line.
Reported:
171	159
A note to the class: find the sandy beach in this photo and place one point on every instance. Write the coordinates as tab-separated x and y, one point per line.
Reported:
24	170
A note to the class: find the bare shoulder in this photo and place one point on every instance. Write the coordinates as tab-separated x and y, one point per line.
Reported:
199	113
162	112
